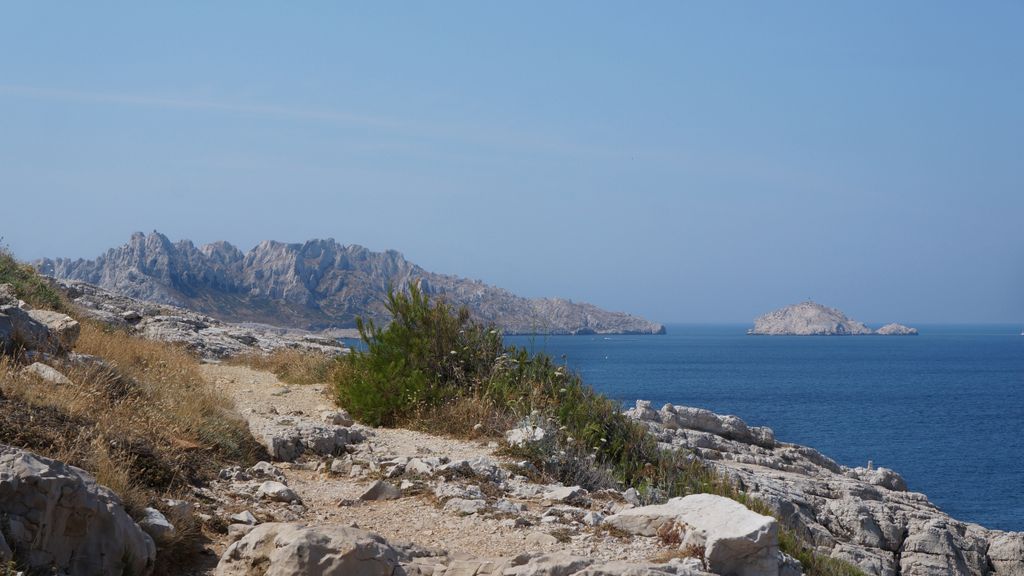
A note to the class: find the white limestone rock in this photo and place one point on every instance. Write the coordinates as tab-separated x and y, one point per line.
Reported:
293	550
525	435
566	495
727	426
157	526
58	518
63	329
895	329
864	516
337	417
736	540
277	492
807	319
1006	552
243	517
48	374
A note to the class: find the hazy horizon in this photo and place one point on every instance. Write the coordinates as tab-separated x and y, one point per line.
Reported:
685	163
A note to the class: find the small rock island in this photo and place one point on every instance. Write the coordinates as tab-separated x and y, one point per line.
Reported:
813	319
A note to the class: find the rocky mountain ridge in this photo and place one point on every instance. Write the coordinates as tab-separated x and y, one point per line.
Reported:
315	285
813	319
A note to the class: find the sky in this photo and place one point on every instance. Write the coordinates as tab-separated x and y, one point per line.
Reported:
683	161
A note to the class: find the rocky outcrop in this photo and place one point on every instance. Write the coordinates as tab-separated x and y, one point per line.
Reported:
813	319
315	285
734	539
56	518
207	336
864	516
895	329
34	330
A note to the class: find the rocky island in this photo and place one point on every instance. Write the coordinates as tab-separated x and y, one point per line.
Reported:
813	319
315	285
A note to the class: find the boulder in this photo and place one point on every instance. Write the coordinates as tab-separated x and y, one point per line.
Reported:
525	435
287	438
736	540
26	331
244	517
58	518
277	492
6	333
48	374
566	495
381	490
277	549
157	526
64	329
727	426
337	417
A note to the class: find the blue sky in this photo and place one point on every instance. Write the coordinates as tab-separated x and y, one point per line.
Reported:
687	162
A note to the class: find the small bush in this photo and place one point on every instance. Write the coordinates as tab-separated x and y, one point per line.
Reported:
30	286
434	367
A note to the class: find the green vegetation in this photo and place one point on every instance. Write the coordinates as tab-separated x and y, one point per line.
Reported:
435	368
30	286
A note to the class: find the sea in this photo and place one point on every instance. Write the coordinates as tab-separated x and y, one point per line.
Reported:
945	409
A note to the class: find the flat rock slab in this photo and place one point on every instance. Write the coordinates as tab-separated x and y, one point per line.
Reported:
736	540
289	549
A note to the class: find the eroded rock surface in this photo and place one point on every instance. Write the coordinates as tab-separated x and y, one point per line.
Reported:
863	516
57	517
203	334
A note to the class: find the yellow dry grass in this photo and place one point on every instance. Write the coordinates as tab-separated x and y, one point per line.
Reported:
142	420
292	366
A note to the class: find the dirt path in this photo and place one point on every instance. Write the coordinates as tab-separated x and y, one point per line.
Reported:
417	518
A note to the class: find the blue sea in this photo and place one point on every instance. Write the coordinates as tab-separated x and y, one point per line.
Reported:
945	408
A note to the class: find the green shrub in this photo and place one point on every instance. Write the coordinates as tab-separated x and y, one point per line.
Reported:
30	286
432	358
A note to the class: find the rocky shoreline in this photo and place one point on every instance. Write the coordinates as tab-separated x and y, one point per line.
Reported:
864	516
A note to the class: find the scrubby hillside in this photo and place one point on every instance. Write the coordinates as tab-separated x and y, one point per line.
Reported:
134	414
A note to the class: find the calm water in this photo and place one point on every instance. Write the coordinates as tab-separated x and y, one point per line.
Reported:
945	409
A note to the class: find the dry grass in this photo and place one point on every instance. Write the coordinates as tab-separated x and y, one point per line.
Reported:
689	551
143	421
470	417
291	365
